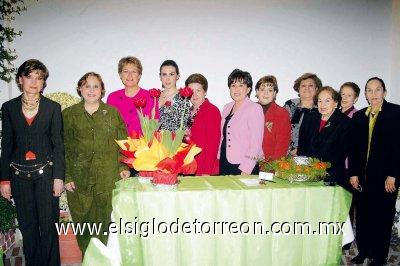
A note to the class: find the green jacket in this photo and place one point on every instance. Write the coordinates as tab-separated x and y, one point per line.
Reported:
92	155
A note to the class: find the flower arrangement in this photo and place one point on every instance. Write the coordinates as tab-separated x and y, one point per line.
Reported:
296	168
63	98
159	155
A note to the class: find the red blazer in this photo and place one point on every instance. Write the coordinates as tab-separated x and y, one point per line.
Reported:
276	136
206	133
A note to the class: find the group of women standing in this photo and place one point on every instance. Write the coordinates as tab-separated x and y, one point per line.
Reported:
317	124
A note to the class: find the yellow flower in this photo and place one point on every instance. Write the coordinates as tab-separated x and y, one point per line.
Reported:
148	158
190	156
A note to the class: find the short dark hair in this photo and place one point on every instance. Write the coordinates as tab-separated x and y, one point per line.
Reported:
172	63
30	66
243	76
83	79
335	95
353	86
197	78
378	79
130	60
267	79
317	81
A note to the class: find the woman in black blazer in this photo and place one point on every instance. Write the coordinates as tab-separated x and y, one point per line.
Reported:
325	135
374	169
32	163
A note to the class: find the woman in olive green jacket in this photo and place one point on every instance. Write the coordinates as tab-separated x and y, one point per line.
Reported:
92	156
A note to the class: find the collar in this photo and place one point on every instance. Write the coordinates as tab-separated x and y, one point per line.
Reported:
102	107
348	111
369	109
266	106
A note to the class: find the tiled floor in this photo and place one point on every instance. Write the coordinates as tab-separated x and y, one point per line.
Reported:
15	256
393	258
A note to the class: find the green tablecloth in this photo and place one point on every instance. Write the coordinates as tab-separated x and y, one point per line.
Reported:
227	199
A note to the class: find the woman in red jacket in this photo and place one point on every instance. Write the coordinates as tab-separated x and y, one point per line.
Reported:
277	122
204	124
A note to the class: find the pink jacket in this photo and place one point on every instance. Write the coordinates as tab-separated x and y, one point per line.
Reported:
127	109
245	132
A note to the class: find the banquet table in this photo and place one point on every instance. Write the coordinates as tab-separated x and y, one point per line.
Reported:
229	199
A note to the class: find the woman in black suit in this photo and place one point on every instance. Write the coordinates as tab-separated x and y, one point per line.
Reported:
325	135
374	169
32	160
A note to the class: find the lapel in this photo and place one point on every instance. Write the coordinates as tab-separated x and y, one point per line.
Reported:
202	113
240	111
329	128
271	112
378	123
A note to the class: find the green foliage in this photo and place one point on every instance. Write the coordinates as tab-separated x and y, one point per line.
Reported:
8	10
8	215
149	126
287	168
176	143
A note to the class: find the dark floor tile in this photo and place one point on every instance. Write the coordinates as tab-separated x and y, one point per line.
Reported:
18	261
15	251
7	262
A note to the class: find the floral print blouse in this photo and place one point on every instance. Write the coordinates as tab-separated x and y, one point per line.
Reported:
296	113
171	113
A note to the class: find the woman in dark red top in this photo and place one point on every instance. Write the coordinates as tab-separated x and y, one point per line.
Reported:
277	122
205	126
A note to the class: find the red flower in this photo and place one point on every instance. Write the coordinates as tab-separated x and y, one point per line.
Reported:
188	139
155	93
134	135
167	103
186	92
140	103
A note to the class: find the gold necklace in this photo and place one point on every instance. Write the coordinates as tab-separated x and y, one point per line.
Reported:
30	105
30	108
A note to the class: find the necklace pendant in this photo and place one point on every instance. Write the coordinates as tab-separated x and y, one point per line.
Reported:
28	175
50	163
16	172
40	171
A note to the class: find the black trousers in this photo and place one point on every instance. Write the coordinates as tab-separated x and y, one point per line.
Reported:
37	213
375	211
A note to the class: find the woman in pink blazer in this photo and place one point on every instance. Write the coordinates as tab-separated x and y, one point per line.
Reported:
242	128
